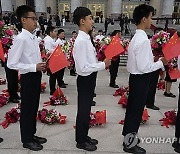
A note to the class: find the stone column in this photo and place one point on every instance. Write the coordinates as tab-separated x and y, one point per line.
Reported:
167	9
157	4
40	6
6	5
116	6
75	4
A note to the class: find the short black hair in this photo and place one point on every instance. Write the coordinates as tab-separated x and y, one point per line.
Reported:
100	31
49	29
115	32
60	31
74	32
80	13
22	11
141	11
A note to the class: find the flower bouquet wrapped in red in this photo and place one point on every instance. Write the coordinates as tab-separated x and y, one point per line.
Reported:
121	91
158	41
58	98
145	117
5	93
2	81
43	87
6	38
123	100
98	118
50	116
125	43
70	58
161	85
103	43
169	119
11	116
3	100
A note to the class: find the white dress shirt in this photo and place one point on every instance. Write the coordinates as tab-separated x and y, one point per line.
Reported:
49	44
39	39
140	57
24	53
84	55
100	37
60	42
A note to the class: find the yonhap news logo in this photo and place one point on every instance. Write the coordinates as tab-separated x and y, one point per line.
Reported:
157	140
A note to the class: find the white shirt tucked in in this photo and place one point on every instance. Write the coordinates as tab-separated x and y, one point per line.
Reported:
100	37
24	53
140	57
84	55
49	44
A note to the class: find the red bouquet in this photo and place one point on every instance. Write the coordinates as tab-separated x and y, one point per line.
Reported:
145	117
11	116
169	119
58	98
123	100
121	91
3	100
98	118
161	85
50	116
158	41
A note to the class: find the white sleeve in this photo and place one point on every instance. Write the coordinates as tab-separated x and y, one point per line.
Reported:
80	56
144	58
14	56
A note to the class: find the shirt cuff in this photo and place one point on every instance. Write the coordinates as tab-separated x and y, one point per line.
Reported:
33	68
160	63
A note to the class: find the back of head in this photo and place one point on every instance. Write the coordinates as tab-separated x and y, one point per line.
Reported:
80	13
49	29
115	32
22	11
141	11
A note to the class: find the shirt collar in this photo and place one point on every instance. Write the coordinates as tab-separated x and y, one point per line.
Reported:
32	36
142	32
83	34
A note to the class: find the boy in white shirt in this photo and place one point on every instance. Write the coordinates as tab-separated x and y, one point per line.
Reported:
100	35
86	65
25	57
140	65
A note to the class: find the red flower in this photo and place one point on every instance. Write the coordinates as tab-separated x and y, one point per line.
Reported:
5	40
9	32
1	23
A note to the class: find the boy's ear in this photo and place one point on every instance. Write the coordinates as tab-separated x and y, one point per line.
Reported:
143	19
23	20
82	21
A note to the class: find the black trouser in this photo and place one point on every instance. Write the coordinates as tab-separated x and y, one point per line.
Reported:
114	70
85	88
42	29
30	95
12	82
152	88
138	90
56	76
177	128
72	70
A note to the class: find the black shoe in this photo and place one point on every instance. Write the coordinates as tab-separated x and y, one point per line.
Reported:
169	95
63	86
177	149
86	146
94	95
91	141
114	86
1	139
152	107
39	140
93	103
34	146
135	149
175	144
137	142
13	100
